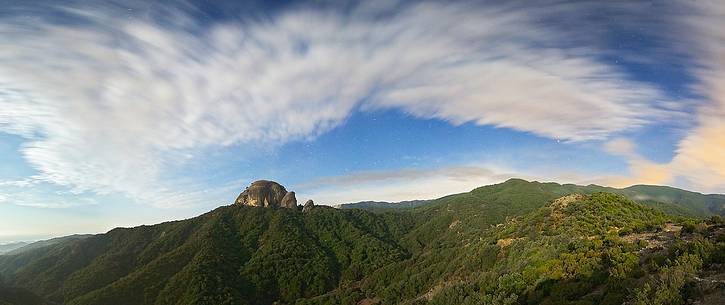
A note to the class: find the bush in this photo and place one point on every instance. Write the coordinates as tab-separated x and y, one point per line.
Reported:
688	227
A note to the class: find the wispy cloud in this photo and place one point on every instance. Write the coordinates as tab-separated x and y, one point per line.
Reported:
459	173
43	198
19	183
699	159
642	171
701	155
403	184
106	103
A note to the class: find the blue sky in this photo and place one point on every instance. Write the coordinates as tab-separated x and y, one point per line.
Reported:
127	113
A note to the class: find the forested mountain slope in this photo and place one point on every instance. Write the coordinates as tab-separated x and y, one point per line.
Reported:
232	255
577	249
512	243
669	199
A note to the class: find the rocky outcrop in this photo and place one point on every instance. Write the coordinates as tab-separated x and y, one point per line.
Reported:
289	201
264	193
308	206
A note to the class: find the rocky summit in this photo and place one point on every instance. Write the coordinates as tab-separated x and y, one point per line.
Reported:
309	205
265	193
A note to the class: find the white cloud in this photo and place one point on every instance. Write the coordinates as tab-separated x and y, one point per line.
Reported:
460	173
18	183
419	184
701	154
108	103
699	159
641	170
400	185
42	198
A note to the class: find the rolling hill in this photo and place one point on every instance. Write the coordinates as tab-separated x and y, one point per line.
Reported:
672	200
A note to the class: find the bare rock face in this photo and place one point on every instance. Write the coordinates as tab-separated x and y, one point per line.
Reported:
264	193
308	206
289	201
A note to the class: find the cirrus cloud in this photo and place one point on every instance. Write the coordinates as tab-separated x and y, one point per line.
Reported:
699	160
109	104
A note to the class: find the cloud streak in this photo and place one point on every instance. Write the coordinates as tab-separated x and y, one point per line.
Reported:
399	185
110	104
460	173
701	154
699	159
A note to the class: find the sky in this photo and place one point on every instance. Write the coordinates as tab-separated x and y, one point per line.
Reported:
122	113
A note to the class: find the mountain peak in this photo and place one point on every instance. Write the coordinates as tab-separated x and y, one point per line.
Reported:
266	193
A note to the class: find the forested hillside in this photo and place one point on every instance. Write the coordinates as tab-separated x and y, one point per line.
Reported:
512	243
669	199
232	255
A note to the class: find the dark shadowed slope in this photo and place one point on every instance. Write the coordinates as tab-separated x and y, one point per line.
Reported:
19	296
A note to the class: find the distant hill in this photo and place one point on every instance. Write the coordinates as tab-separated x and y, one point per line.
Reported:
384	204
671	200
45	243
696	203
516	242
4	248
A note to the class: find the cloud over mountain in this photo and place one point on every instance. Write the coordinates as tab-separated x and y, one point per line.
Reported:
110	104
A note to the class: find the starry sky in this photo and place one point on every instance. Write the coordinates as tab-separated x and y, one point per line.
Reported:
121	113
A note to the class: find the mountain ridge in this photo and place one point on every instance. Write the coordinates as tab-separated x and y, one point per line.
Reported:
677	201
516	242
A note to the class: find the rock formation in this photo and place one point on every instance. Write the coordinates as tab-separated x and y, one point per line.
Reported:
289	201
308	206
264	193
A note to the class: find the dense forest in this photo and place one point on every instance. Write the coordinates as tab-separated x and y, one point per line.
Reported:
516	242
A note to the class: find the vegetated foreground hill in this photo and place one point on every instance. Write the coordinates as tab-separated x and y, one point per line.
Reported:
669	199
232	255
511	243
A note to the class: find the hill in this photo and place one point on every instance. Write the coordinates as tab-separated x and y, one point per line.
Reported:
512	243
232	255
576	249
384	204
4	248
671	200
44	243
